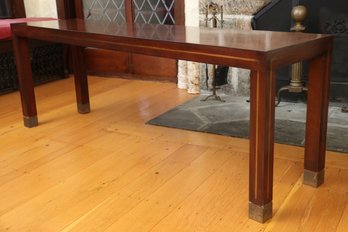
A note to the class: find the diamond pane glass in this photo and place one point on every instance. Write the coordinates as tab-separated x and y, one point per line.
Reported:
154	11
108	10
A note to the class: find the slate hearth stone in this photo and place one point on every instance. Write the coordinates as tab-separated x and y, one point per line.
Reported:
337	139
241	129
235	128
178	119
231	118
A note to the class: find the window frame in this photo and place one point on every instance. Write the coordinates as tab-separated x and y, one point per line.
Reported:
74	9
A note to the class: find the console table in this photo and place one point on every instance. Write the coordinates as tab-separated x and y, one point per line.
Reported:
260	51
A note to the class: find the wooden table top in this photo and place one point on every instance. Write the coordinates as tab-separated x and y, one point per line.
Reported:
171	38
262	41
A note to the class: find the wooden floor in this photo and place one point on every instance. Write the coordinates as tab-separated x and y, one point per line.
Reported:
109	171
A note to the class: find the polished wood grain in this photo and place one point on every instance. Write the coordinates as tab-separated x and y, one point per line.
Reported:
255	49
111	171
260	51
137	66
25	79
261	151
161	68
318	100
106	62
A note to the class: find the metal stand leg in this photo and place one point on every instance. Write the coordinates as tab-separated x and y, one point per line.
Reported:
213	96
213	8
207	76
279	93
295	85
290	89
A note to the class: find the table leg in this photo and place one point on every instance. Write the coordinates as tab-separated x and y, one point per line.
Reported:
25	79
317	116
81	82
262	103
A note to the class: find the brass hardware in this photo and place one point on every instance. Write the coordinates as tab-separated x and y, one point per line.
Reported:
260	213
314	179
298	14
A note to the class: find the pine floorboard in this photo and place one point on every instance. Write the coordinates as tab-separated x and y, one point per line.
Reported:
110	171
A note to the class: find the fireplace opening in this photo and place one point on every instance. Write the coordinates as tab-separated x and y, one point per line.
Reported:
329	17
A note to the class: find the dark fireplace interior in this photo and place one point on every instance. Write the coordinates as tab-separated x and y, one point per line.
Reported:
323	16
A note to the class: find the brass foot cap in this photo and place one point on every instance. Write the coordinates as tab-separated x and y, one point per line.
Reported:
83	108
314	179
260	213
30	121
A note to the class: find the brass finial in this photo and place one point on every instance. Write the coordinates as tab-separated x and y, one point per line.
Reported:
298	14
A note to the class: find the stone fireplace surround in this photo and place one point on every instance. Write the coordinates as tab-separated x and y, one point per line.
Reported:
237	15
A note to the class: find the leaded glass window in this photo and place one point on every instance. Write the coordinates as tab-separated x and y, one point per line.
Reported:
154	11
109	10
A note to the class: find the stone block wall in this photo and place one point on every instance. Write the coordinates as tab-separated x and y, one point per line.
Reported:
237	16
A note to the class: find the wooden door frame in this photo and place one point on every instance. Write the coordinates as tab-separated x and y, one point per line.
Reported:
65	9
17	9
